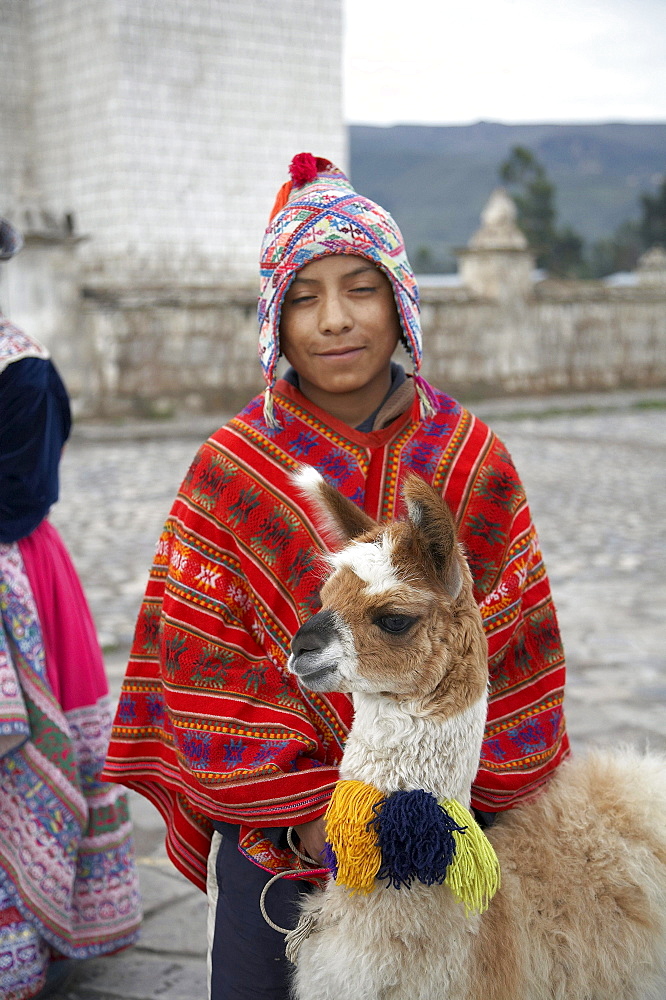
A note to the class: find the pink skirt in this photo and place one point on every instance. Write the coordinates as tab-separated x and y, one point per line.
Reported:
74	663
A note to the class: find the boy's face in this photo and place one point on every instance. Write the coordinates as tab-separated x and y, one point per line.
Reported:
339	328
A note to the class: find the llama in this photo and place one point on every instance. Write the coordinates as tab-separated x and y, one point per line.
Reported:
580	913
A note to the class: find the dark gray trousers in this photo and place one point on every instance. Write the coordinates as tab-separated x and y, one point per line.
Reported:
246	956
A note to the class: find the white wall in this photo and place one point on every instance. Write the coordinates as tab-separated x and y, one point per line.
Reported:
14	102
167	127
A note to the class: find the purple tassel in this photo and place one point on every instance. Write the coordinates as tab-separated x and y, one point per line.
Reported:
330	860
415	835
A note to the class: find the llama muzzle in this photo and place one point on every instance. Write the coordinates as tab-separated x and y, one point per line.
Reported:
313	649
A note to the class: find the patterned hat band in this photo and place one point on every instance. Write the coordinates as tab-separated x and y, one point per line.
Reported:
317	214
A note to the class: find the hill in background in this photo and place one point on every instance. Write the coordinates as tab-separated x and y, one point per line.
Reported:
435	179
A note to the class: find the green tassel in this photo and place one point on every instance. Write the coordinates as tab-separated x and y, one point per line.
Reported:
474	874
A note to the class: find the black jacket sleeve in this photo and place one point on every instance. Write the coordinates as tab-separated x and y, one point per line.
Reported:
35	422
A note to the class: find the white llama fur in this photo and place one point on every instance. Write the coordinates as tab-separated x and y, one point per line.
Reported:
388	746
581	912
371	563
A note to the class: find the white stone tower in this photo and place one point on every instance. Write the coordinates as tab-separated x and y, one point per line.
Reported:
158	133
164	128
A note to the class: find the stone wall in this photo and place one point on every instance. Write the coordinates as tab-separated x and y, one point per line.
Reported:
498	328
562	337
148	350
157	352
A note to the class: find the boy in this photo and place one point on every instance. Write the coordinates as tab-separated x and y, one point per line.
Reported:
210	725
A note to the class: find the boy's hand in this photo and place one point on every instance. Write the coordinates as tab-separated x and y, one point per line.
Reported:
312	836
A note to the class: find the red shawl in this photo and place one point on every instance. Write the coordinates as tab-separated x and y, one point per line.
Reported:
211	725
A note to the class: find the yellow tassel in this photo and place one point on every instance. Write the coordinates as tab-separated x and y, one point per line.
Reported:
356	851
474	874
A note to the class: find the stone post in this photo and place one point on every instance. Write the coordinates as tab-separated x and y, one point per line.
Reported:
496	264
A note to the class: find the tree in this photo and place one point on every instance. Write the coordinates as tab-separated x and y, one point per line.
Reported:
533	194
619	252
424	260
560	252
566	253
428	261
653	221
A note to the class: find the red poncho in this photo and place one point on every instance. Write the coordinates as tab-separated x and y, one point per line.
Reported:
212	726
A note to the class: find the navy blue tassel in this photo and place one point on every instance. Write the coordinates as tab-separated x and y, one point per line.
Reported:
415	836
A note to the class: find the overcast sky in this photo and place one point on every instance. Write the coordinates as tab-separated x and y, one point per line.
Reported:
460	61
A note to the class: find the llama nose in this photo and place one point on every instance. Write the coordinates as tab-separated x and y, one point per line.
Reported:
314	635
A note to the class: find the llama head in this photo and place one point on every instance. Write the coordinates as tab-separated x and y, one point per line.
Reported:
398	615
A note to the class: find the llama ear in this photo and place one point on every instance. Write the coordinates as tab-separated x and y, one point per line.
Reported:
338	517
430	515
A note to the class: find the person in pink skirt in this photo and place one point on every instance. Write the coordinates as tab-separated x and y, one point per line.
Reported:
68	881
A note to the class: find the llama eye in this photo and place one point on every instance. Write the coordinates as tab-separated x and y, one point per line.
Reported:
395	624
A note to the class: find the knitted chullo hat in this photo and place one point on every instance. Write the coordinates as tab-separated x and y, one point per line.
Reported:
317	214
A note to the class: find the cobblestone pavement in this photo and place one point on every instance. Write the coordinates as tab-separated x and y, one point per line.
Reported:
594	468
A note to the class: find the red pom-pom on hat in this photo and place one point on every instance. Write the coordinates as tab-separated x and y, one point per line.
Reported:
304	168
